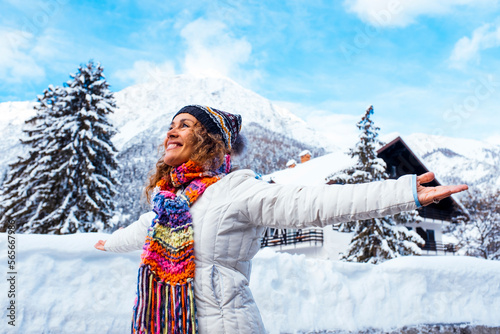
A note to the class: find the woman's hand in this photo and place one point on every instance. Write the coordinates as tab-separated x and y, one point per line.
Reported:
100	245
429	195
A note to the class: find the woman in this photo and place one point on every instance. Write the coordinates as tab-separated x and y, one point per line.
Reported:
207	221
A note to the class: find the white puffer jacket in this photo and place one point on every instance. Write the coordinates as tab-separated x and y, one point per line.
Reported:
229	219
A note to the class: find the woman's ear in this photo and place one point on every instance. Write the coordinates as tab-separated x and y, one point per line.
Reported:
239	146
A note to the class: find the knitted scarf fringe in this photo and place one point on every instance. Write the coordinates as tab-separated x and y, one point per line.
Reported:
162	307
165	290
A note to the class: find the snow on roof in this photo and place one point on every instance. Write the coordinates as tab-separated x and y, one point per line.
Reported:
291	162
314	171
304	152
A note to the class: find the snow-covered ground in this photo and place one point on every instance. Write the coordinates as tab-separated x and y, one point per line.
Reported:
64	285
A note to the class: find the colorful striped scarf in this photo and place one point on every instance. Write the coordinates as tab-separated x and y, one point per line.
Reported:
165	292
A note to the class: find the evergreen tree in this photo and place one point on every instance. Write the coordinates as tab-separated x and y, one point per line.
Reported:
374	239
23	184
480	236
66	182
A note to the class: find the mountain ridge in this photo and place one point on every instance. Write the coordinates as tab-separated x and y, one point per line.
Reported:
159	101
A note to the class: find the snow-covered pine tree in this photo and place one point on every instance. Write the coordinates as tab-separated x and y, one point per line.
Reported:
375	239
18	189
68	178
480	236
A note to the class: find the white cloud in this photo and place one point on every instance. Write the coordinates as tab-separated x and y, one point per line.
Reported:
52	46
17	59
212	50
401	13
27	55
467	49
145	71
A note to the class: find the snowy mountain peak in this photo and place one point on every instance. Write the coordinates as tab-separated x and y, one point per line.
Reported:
425	144
144	105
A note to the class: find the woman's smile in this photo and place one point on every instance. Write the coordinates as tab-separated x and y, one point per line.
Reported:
179	143
171	146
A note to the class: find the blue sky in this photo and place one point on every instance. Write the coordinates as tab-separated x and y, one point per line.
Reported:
426	66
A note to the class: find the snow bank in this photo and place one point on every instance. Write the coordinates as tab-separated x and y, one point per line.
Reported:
64	285
294	292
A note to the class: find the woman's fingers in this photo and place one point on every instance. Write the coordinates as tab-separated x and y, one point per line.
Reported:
425	178
100	245
428	195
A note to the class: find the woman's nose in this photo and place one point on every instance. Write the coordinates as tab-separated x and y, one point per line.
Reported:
172	133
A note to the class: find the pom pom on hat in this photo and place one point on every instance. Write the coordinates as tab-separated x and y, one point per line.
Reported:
240	144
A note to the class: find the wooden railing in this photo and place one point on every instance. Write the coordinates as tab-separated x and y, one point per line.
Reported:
430	247
438	247
312	236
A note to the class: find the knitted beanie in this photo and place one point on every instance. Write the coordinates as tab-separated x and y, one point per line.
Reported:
217	122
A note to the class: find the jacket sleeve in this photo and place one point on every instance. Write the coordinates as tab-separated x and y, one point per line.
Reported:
294	206
132	237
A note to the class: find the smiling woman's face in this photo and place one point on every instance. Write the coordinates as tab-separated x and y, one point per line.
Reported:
179	143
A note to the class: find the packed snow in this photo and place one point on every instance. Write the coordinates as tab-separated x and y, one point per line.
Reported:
64	285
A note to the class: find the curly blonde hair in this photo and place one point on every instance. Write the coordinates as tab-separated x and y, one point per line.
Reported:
209	151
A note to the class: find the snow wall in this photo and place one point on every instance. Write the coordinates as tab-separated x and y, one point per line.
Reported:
64	285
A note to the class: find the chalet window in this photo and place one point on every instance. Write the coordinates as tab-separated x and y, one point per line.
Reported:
393	173
429	237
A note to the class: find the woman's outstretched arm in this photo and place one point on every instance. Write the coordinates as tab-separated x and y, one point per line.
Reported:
286	206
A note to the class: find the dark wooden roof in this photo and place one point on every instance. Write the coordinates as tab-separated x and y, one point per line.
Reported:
400	161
